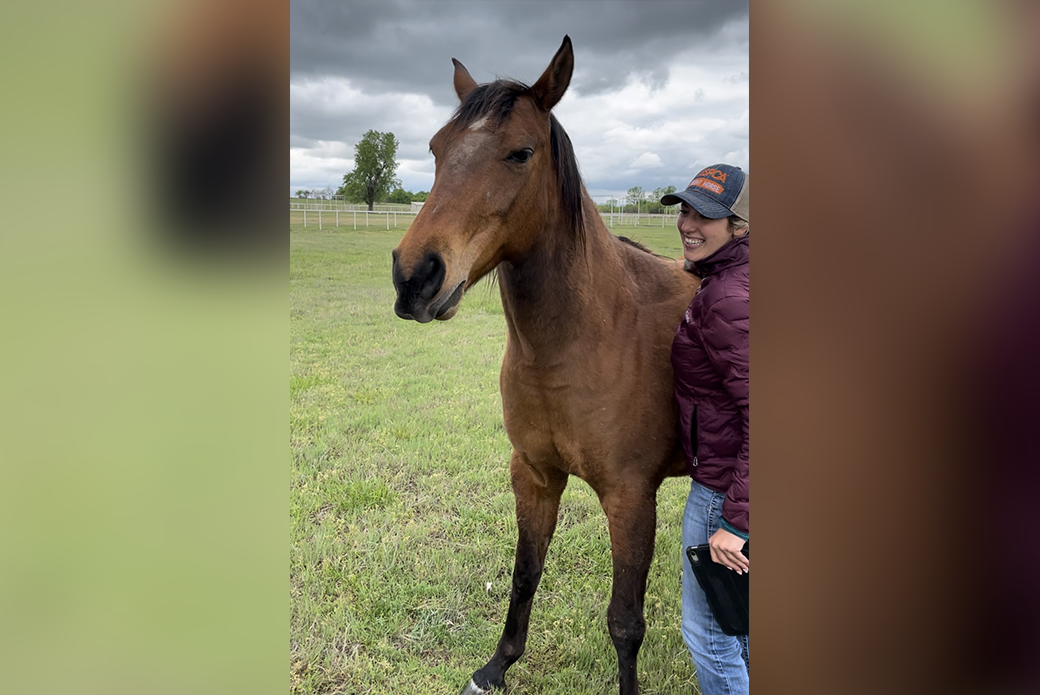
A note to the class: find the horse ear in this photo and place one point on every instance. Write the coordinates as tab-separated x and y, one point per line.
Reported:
464	84
549	88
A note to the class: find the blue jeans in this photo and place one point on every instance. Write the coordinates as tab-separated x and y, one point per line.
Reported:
722	661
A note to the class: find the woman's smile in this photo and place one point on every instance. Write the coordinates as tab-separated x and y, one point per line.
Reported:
701	236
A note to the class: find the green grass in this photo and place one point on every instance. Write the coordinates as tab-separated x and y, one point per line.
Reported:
401	515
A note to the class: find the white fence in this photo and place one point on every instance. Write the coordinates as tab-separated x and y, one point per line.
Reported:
631	219
333	205
350	219
339	218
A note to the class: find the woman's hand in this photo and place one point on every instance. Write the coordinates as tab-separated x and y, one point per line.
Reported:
725	550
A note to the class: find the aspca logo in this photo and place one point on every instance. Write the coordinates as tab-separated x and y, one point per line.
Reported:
719	176
711	180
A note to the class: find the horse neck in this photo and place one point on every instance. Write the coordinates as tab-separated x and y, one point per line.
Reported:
562	285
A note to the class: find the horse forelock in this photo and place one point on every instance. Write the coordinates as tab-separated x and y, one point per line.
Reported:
492	104
494	100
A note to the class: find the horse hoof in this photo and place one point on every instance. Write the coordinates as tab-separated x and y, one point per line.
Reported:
472	689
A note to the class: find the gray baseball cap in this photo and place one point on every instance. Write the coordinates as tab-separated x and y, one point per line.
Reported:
717	191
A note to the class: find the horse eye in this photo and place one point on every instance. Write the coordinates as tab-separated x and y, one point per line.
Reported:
520	156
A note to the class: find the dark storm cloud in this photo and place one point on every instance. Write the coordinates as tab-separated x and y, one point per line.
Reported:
659	87
406	46
312	120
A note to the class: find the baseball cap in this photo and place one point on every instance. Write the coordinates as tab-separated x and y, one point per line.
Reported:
717	191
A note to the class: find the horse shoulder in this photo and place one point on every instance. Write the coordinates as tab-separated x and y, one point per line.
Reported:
660	287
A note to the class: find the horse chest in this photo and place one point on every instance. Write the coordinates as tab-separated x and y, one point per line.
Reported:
554	422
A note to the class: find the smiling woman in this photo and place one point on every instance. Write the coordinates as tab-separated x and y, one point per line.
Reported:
711	357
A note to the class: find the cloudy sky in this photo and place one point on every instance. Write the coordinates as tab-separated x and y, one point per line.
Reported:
660	88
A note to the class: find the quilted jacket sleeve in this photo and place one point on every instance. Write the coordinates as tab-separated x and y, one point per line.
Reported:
726	338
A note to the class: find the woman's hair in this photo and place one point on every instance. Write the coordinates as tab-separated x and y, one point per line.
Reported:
736	223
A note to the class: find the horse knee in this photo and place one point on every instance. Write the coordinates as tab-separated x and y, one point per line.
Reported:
626	630
522	593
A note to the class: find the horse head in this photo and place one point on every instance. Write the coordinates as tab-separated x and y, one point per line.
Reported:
499	181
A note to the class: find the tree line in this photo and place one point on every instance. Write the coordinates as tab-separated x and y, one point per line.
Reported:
373	180
638	200
398	195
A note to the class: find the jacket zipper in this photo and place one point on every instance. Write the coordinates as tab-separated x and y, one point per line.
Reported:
694	436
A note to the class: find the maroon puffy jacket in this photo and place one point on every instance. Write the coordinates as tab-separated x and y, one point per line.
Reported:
710	356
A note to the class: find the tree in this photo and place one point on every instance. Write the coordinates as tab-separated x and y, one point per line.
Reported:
420	197
302	193
635	198
661	192
401	196
374	167
655	206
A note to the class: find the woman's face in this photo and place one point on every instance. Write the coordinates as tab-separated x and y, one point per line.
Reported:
701	236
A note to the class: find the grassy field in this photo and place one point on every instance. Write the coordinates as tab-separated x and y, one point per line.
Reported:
401	515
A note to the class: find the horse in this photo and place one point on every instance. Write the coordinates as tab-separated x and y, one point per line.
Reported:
586	378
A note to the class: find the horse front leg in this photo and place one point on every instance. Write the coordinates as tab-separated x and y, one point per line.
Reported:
632	519
537	495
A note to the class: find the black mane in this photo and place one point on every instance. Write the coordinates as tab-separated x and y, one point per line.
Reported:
636	244
642	247
496	100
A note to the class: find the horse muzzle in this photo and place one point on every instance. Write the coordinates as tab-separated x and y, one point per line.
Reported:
421	295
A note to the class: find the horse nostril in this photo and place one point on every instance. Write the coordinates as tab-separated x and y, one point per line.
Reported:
424	280
431	275
395	271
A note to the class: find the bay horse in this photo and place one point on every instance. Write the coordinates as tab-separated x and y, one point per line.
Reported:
586	378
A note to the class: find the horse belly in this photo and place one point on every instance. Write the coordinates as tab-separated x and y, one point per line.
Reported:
580	433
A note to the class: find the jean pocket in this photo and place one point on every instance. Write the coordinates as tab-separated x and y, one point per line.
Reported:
715	511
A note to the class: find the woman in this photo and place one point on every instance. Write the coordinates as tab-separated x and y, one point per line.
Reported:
710	355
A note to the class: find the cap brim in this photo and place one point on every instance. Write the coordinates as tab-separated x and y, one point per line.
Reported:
699	202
